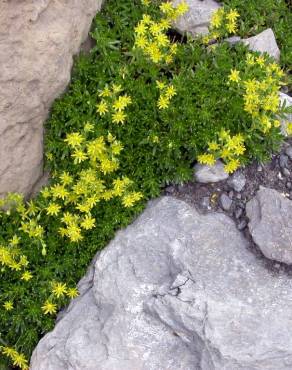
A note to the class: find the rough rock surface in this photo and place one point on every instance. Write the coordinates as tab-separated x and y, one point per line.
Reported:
237	181
206	174
264	42
270	215
197	19
175	290
37	41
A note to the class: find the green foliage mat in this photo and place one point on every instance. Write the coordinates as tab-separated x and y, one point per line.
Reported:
159	146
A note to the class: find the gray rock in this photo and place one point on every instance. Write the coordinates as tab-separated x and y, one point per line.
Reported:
288	151
283	161
237	181
264	42
176	291
38	39
270	225
286	172
197	19
225	202
206	174
287	100
233	40
289	185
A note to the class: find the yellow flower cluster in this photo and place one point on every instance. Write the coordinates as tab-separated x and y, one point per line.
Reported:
59	290
260	95
18	359
227	147
82	193
151	36
114	104
167	92
223	22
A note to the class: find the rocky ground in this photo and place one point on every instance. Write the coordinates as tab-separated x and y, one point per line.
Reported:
230	196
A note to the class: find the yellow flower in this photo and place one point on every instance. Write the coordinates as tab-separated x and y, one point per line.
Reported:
119	117
140	29
72	293
122	102
88	127
74	139
116	147
181	9
49	308
166	8
250	60
108	166
231	27
66	179
68	218
170	92
130	199
217	18
232	15
18	359
26	276
141	42
117	88
213	146
261	60
207	159
8	305
79	156
59	191
231	166
163	102
53	209
289	128
234	76
59	289
46	193
162	40
88	222
74	233
102	108
105	92
15	240
160	84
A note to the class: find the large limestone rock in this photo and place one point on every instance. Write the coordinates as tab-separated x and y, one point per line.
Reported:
264	42
270	225
197	19
175	290
37	41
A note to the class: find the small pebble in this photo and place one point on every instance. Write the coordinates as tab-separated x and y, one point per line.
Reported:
225	202
288	151
286	172
206	203
288	185
242	225
260	168
283	161
238	213
230	194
